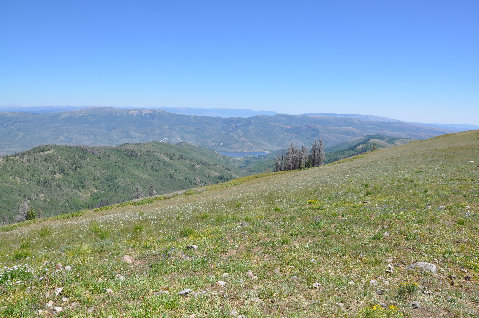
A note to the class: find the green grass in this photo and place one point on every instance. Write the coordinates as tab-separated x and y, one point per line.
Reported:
312	239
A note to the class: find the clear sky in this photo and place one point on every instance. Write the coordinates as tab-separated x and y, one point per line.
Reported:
412	60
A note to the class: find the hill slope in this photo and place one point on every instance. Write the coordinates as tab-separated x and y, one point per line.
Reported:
61	179
109	126
328	241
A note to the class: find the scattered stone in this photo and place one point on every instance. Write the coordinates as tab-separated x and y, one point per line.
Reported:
90	310
57	309
385	234
255	300
49	304
380	292
428	267
277	270
316	285
373	282
59	266
351	283
64	299
127	259
185	292
340	305
389	269
225	274
251	275
471	161
68	268
42	312
120	277
313	261
58	291
221	283
192	247
386	282
161	292
415	305
109	291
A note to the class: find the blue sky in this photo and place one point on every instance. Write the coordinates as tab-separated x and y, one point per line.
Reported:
410	60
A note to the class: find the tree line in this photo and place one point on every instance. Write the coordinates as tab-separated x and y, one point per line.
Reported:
296	158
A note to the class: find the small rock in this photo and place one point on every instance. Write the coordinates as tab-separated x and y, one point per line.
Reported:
316	285
161	292
192	247
277	270
57	309
428	267
127	259
471	161
68	268
467	278
225	274
221	283
109	291
58	291
251	275
380	292
386	282
373	282
389	269
313	261
185	292
64	299
340	305
255	300
415	305
120	277
49	304
59	266
90	310
386	234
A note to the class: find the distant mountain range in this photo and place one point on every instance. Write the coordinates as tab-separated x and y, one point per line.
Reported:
113	126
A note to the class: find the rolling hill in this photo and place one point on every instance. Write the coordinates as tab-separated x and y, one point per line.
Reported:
345	239
59	179
110	126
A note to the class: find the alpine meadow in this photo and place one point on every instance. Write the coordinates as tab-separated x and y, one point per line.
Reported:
389	233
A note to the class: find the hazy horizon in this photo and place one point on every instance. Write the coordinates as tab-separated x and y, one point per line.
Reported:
408	60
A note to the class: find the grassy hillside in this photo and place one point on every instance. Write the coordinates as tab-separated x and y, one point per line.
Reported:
360	145
109	126
328	241
61	179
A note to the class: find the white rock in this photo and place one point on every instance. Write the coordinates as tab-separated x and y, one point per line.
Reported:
428	267
221	283
389	269
373	282
251	275
109	291
127	259
49	304
192	247
316	285
68	268
58	291
57	309
120	277
185	292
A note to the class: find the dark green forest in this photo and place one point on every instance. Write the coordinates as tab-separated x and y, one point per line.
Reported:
54	179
